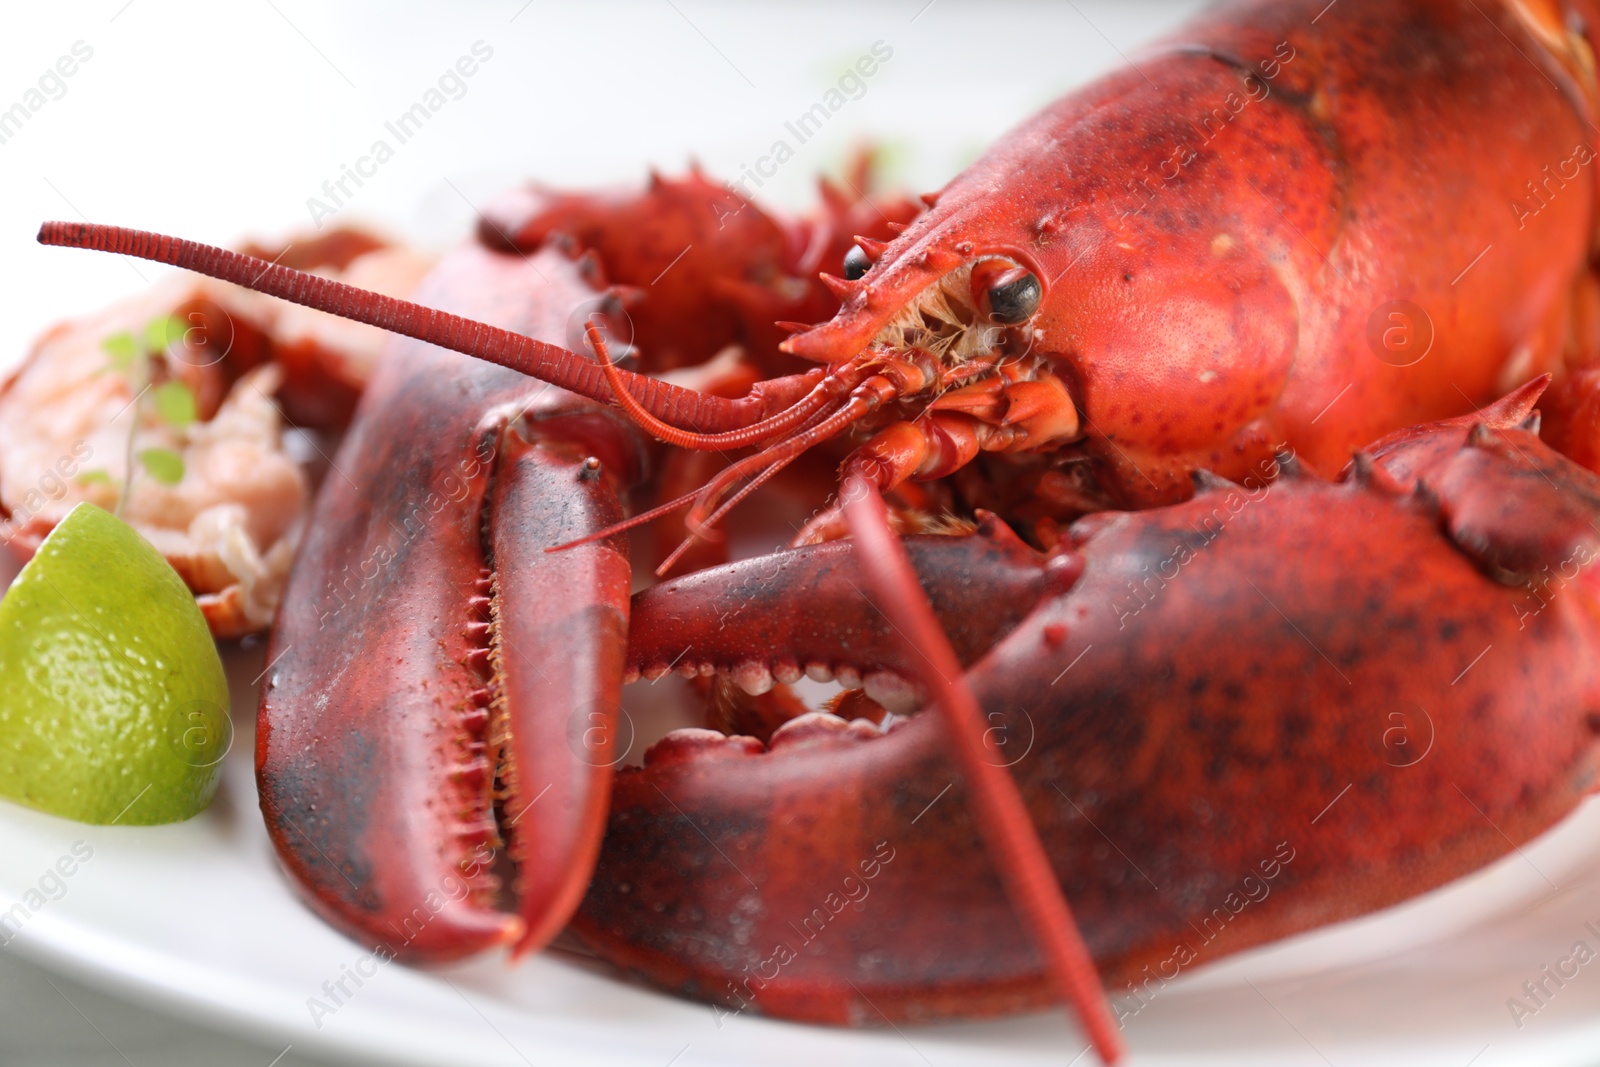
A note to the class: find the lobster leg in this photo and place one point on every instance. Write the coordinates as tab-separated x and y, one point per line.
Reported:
433	751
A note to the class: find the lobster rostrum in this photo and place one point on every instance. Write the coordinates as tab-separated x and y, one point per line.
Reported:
1180	275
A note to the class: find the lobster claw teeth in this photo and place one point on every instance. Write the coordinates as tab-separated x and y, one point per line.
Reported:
560	624
816	728
693	745
753	677
799	611
892	691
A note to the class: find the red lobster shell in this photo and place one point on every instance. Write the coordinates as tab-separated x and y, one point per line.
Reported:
1124	300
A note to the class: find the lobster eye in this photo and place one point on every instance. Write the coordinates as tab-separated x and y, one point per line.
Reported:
1006	293
856	263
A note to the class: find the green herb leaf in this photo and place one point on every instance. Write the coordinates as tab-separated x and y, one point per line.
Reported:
122	349
175	404
164	465
163	332
93	477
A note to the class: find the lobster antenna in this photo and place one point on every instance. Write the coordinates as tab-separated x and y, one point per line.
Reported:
831	388
673	405
768	462
698	531
1008	830
709	507
815	424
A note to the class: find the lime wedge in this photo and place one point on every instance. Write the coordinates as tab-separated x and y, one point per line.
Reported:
113	702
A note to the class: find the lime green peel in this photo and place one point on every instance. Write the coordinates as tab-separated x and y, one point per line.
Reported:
113	702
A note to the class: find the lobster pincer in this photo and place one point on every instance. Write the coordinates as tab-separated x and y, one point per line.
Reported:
436	724
1218	736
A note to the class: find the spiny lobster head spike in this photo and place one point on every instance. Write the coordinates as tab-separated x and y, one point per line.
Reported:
691	208
1514	505
1522	511
1409	455
715	268
955	282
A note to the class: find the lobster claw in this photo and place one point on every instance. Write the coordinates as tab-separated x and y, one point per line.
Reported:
434	743
1234	722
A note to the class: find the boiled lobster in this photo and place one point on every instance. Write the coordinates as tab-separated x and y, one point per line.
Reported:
1193	289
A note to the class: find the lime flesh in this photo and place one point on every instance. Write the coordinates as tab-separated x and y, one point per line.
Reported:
113	702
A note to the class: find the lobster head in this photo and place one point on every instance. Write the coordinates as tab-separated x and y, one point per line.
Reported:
1174	336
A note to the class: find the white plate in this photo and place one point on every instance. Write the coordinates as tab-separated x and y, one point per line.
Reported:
253	107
